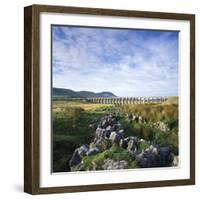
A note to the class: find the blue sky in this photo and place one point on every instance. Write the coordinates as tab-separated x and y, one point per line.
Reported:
125	62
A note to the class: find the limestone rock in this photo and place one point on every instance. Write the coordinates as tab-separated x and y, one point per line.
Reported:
110	164
82	151
76	159
93	151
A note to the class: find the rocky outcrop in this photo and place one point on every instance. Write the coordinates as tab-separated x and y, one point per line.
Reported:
110	132
155	157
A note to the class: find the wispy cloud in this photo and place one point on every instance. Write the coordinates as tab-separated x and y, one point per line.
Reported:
125	62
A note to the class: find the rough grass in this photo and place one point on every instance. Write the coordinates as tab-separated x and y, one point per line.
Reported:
71	129
143	145
71	122
61	105
152	112
171	100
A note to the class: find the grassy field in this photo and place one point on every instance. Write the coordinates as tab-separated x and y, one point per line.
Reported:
72	119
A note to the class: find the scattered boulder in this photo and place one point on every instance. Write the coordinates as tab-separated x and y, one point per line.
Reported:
98	132
82	151
114	137
134	118
124	142
76	159
154	149
107	132
109	128
146	159
121	133
132	144
110	164
161	126
99	142
92	145
166	156
104	123
155	157
93	151
115	127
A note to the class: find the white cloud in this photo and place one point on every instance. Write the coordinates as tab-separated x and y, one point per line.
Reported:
126	63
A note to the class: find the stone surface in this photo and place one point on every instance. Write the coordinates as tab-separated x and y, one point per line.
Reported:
76	158
93	151
132	145
82	151
155	157
110	131
110	164
114	137
161	126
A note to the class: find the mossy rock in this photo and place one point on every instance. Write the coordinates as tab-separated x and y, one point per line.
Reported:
116	153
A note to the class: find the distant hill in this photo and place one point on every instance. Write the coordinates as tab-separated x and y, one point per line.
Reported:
67	93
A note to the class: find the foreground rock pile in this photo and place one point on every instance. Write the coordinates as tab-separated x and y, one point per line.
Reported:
110	133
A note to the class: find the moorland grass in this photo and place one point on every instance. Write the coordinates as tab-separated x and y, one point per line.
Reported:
71	129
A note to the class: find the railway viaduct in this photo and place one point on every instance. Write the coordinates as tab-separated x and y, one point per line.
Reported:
126	100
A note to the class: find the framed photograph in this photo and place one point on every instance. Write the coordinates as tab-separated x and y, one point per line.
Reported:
109	99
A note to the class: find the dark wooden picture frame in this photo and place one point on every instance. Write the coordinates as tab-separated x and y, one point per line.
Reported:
32	93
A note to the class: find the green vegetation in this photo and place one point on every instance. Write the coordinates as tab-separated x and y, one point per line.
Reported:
71	129
153	112
115	153
143	145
